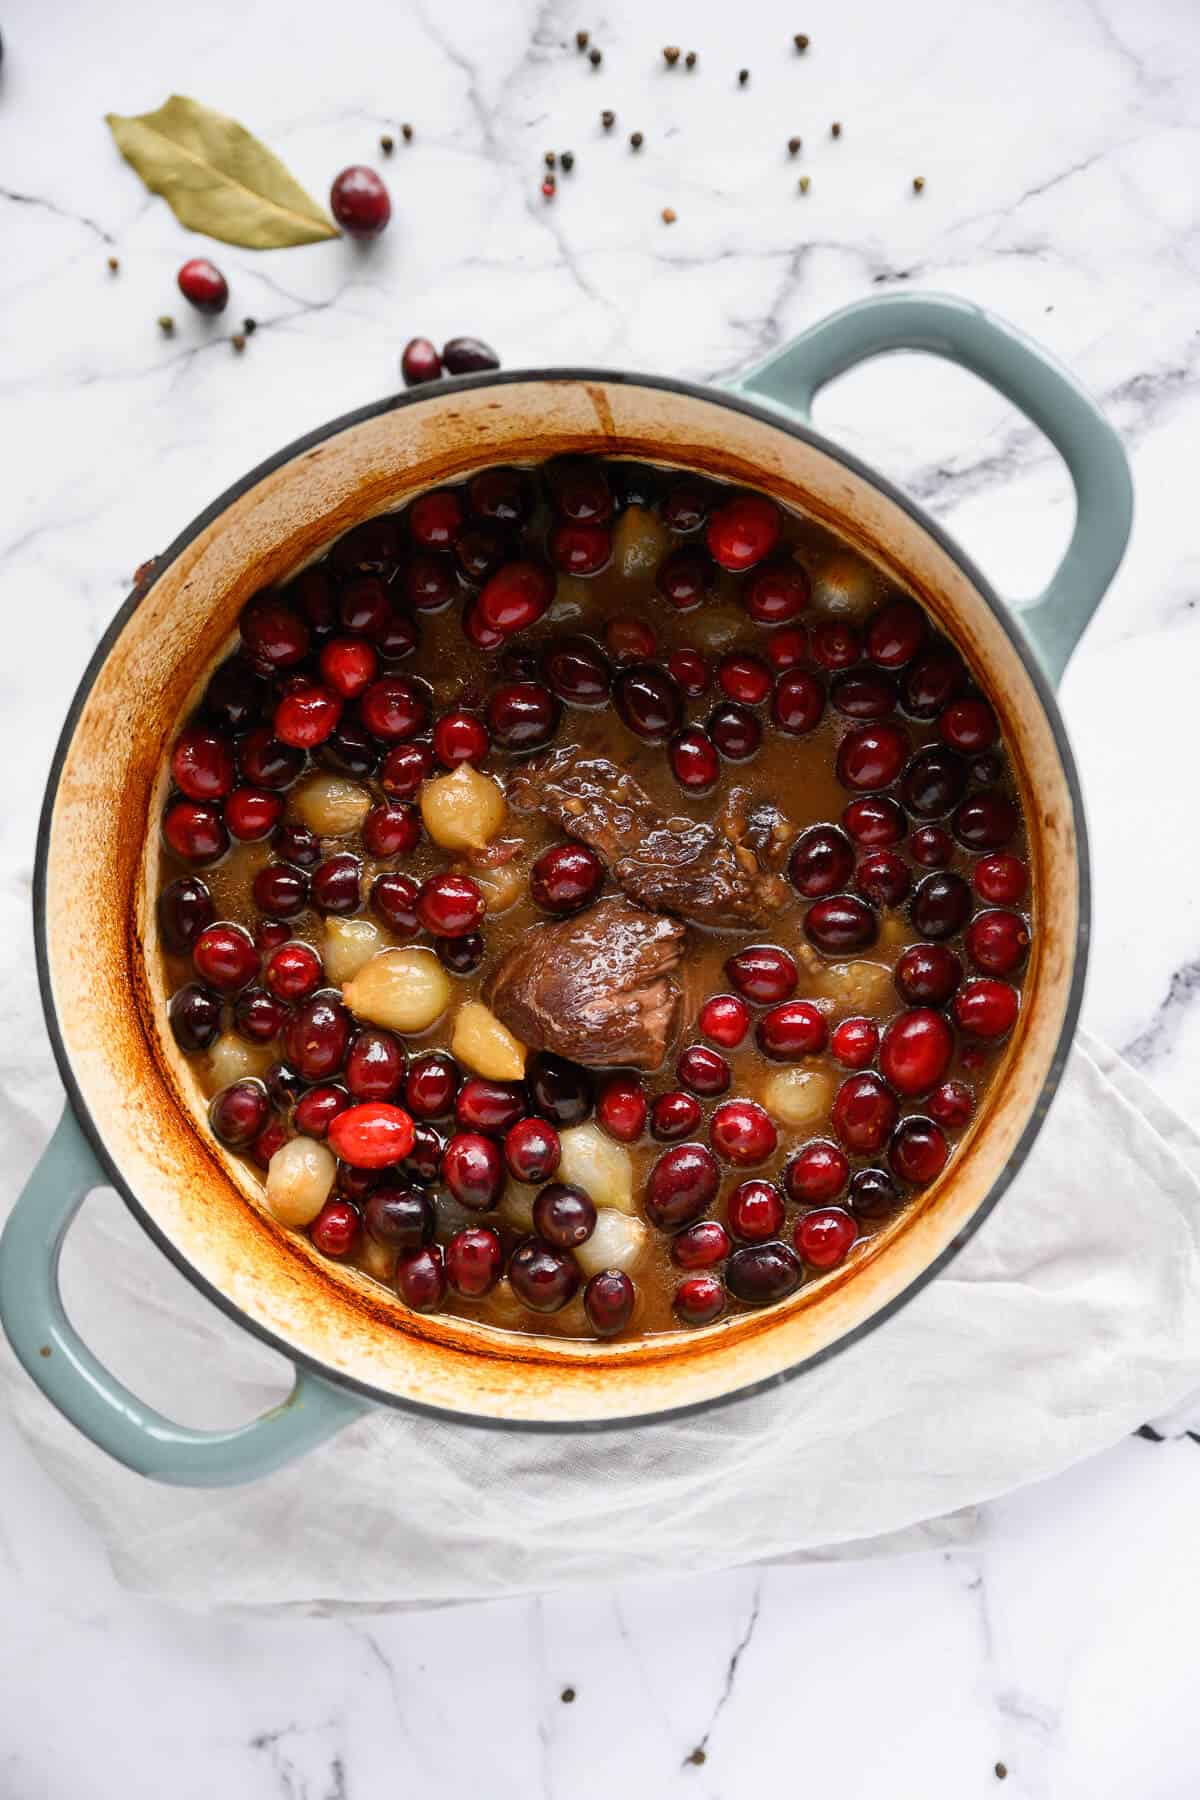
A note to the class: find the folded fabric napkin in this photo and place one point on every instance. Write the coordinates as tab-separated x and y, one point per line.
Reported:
1072	1317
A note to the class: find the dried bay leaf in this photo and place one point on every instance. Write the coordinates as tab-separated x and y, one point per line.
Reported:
217	178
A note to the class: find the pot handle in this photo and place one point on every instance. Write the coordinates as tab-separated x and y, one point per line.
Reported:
1049	397
83	1390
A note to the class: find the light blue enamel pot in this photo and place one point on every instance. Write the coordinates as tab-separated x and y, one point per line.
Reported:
134	1116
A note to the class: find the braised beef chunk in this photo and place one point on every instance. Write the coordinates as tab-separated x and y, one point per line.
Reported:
598	988
712	874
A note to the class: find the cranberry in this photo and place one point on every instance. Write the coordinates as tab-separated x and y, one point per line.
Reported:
318	1108
735	731
372	1135
430	1086
372	547
743	531
763	1273
491	1107
787	648
351	749
835	645
521	662
461	955
317	1036
335	885
450	905
566	877
337	1229
564	1216
394	709
840	924
516	596
348	666
864	1114
265	762
986	821
883	878
238	1113
694	761
673	1116
419	362
873	1193
359	202
931	847
871	757
250	813
185	907
269	934
703	1071
391	829
482	549
272	633
608	1301
532	1150
561	1091
404	769
864	696
473	1170
427	581
580	492
699	1299
272	1137
375	1065
468	356
423	1163
682	1184
313	592
724	1020
364	606
763	974
823	1238
689	671
307	715
522	715
755	1211
280	890
744	678
895	633
798	702
293	971
968	725
987	1009
918	1151
485	637
258	1016
933	783
402	1218
421	1278
821	862
855	1042
874	820
501	495
1000	879
792	1030
195	831
952	1104
394	898
916	1051
648	701
741	1132
997	942
701	1245
577	672
202	764
776	594
202	284
542	1278
225	957
927	974
195	1016
941	905
686	578
686	504
931	683
474	1261
435	519
630	640
818	1172
580	549
397	638
621	1108
235	696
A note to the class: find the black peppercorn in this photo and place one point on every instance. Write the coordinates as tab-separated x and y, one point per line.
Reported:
690	59
406	133
743	77
794	145
567	159
595	57
636	140
387	144
249	326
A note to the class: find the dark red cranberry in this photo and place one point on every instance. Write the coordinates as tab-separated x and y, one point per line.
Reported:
293	971
762	973
1001	879
621	1108
419	362
371	548
864	1114
689	671
840	924
272	632
500	495
235	697
694	761
400	1217
348	666
941	905
561	1091
460	737
701	1245
931	683
474	1261
280	890
629	640
450	905
520	662
224	956
404	769
265	762
873	1193
931	846
577	672
461	955
997	942
823	1238
364	606
482	549
933	783
468	356
874	821
359	202
703	1071
798	702
817	1173
741	1132
968	726
564	1216
269	934
674	1115
477	631
351	750
424	1161
317	1037
854	1043
895	633
918	1151
580	549
986	1009
394	898
952	1104
916	1051
492	1107
821	862
473	1170
522	715
336	885
195	1015
258	1016
394	709
391	829
871	757
421	1278
435	519
337	1229
566	877
195	831
272	1137
776	594
427	581
686	504
755	1211
699	1299
397	638
608	1300
202	764
682	1184
203	286
867	695
745	678
792	1030
835	645
686	578
532	1150
927	974
883	878
431	1085
516	596
185	907
763	1273
634	484
251	813
743	531
648	701
238	1113
986	821
375	1065
318	1108
724	1020
787	648
735	731
579	490
542	1278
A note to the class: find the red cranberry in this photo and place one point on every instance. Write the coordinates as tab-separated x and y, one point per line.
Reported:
735	731
895	633
351	750
238	1113
430	1086
689	671
744	678
703	1071
871	757
818	1172
394	898
648	701
419	362
542	1278
195	1016
969	726
864	696
202	284
501	495
882	877
492	1107
941	905
293	971
916	1051
468	356
476	630
997	942
474	1261
225	957
873	1193
532	1150
686	578
580	492
372	1135
741	1132
421	1278
450	905
823	1238
251	813
258	1016
461	955
272	633
307	715
202	764
402	1218
564	1216
318	1108
269	934
792	1030
335	885
577	673
776	594
918	1151
317	1036
763	974
673	1116
394	709
566	877
874	821
280	890
630	640
427	581
516	596
337	1229
744	531
608	1300
986	821
701	1245
931	683
195	831
933	783
522	715
699	1299
927	974
473	1170
952	1104
375	1065
724	1020
185	907
821	862
755	1211
391	829
404	769
763	1273
561	1091
580	549
1000	879
840	924
265	762
694	761
864	1114
835	645
931	847
986	1009
798	702
359	202
435	519
787	648
348	666
686	504
272	1137
854	1043
621	1108
682	1184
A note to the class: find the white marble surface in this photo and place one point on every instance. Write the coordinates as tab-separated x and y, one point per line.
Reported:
1060	146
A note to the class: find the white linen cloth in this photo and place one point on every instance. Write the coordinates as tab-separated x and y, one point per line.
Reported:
1070	1318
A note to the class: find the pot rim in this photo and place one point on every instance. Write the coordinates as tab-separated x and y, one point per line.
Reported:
792	426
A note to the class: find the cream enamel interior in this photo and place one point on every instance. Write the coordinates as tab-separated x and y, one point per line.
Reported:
141	1095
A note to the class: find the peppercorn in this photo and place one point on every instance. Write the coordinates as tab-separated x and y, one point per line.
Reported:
249	326
671	54
550	160
918	184
794	145
166	324
567	159
581	40
113	265
743	77
804	184
608	119
835	130
636	140
238	341
595	57
406	133
567	1695
690	59
387	144
669	215
801	41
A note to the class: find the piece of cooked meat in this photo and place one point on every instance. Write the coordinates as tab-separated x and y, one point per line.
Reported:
713	874
598	988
